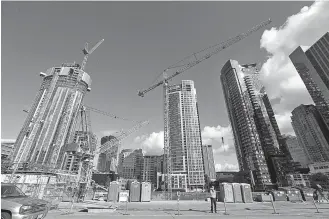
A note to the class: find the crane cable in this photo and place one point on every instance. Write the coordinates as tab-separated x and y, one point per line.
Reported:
108	114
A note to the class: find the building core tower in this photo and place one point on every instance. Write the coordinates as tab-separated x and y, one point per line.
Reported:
52	117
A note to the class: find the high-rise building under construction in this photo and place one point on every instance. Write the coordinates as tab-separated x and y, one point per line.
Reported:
185	137
52	118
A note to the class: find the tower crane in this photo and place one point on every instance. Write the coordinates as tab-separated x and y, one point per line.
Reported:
179	68
87	52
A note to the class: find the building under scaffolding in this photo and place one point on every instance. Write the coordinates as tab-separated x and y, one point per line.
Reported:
56	138
52	117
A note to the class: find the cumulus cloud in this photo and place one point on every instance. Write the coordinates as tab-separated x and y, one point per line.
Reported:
224	154
212	134
151	144
278	73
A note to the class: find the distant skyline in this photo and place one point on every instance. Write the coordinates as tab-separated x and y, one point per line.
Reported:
141	40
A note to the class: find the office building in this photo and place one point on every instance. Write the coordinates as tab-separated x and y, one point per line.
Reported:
298	153
312	132
298	179
50	120
208	161
319	167
131	164
185	137
102	164
313	67
258	141
225	176
152	167
108	161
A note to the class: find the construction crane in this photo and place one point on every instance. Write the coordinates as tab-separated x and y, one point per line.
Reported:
87	52
179	68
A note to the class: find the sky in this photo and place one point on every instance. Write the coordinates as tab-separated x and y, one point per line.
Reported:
141	40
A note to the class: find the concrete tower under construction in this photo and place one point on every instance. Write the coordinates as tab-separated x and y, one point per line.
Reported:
52	118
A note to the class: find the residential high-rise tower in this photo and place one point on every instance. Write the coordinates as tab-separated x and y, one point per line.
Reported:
185	137
256	134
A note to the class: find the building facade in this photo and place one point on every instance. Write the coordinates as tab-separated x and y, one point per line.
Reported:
226	176
252	137
298	153
52	116
185	137
131	164
312	132
108	161
319	167
208	161
280	139
152	167
313	67
298	179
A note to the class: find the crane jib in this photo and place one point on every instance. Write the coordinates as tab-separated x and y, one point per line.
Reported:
220	47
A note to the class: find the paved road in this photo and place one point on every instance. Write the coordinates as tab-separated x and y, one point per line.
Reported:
194	209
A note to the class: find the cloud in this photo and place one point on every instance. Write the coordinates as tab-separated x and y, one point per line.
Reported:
284	123
212	134
227	167
278	73
224	154
8	141
152	144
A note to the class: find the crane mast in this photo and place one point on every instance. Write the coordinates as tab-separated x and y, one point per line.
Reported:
179	68
167	157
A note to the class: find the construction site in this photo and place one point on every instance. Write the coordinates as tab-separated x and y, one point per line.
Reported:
54	153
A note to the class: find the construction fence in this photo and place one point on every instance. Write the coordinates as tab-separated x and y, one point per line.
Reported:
52	188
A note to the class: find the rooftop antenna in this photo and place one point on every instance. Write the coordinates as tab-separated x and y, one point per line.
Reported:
87	52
